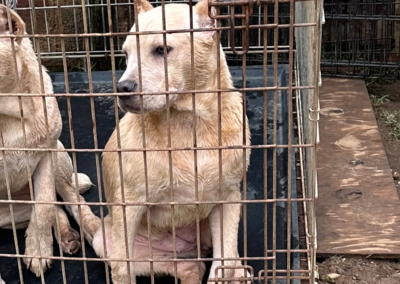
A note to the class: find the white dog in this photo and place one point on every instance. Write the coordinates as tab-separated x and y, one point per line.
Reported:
29	129
180	122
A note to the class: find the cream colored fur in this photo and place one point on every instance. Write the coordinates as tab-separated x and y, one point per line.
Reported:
181	125
17	167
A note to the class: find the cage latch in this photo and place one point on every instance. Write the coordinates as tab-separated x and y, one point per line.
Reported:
247	8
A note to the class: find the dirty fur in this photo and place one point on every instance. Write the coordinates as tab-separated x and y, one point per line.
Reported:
29	128
180	123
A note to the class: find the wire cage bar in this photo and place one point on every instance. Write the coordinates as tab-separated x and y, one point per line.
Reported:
360	38
272	52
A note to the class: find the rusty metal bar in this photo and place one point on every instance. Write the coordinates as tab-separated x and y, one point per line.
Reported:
258	201
156	149
158	93
83	35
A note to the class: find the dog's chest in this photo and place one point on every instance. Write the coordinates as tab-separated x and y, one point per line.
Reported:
16	166
204	176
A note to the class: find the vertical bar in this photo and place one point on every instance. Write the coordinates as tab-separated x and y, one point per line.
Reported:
47	26
89	23
130	13
169	144
220	178
265	140
65	67
244	133
103	25
116	22
148	213
114	85
274	157
75	24
289	150
195	165
317	7
34	27
89	71
3	153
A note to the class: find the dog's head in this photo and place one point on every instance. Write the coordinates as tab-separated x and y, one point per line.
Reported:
9	25
177	51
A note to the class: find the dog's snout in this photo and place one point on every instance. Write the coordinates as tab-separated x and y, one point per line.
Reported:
126	86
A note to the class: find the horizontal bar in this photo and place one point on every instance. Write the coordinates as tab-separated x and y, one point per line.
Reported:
109	34
132	4
246	201
362	17
284	277
237	147
372	76
136	260
148	260
274	88
356	64
118	53
247	2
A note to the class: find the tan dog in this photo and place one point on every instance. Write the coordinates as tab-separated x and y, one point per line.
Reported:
14	165
210	187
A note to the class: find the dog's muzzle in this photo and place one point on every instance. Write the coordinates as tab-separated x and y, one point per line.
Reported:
128	102
126	86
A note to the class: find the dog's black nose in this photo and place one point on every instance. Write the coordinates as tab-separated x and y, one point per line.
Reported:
126	86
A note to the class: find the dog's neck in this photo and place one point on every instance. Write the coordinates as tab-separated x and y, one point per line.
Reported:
29	79
206	104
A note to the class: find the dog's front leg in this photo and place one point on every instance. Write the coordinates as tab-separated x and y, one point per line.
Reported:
10	106
119	269
39	239
231	218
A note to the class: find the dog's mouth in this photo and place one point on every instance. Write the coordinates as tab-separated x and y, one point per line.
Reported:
126	107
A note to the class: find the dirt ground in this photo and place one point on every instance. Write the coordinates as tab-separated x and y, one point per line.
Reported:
385	97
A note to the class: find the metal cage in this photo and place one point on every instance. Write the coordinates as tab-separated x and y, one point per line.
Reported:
273	52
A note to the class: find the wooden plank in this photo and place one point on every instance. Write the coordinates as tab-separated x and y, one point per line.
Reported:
358	208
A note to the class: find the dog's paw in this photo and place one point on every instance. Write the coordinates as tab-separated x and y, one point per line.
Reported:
240	274
90	227
2	281
237	276
119	272
70	241
44	248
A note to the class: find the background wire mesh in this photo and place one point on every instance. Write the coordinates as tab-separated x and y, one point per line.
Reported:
361	38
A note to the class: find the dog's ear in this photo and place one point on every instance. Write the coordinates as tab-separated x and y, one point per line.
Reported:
204	21
143	6
17	24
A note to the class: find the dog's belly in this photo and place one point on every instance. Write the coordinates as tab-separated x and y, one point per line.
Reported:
16	164
166	217
163	245
21	212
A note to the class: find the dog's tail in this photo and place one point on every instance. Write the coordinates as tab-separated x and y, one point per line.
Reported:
84	182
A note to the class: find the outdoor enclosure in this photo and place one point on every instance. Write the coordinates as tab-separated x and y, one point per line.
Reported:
273	53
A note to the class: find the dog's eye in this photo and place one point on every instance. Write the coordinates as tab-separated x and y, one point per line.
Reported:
160	50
